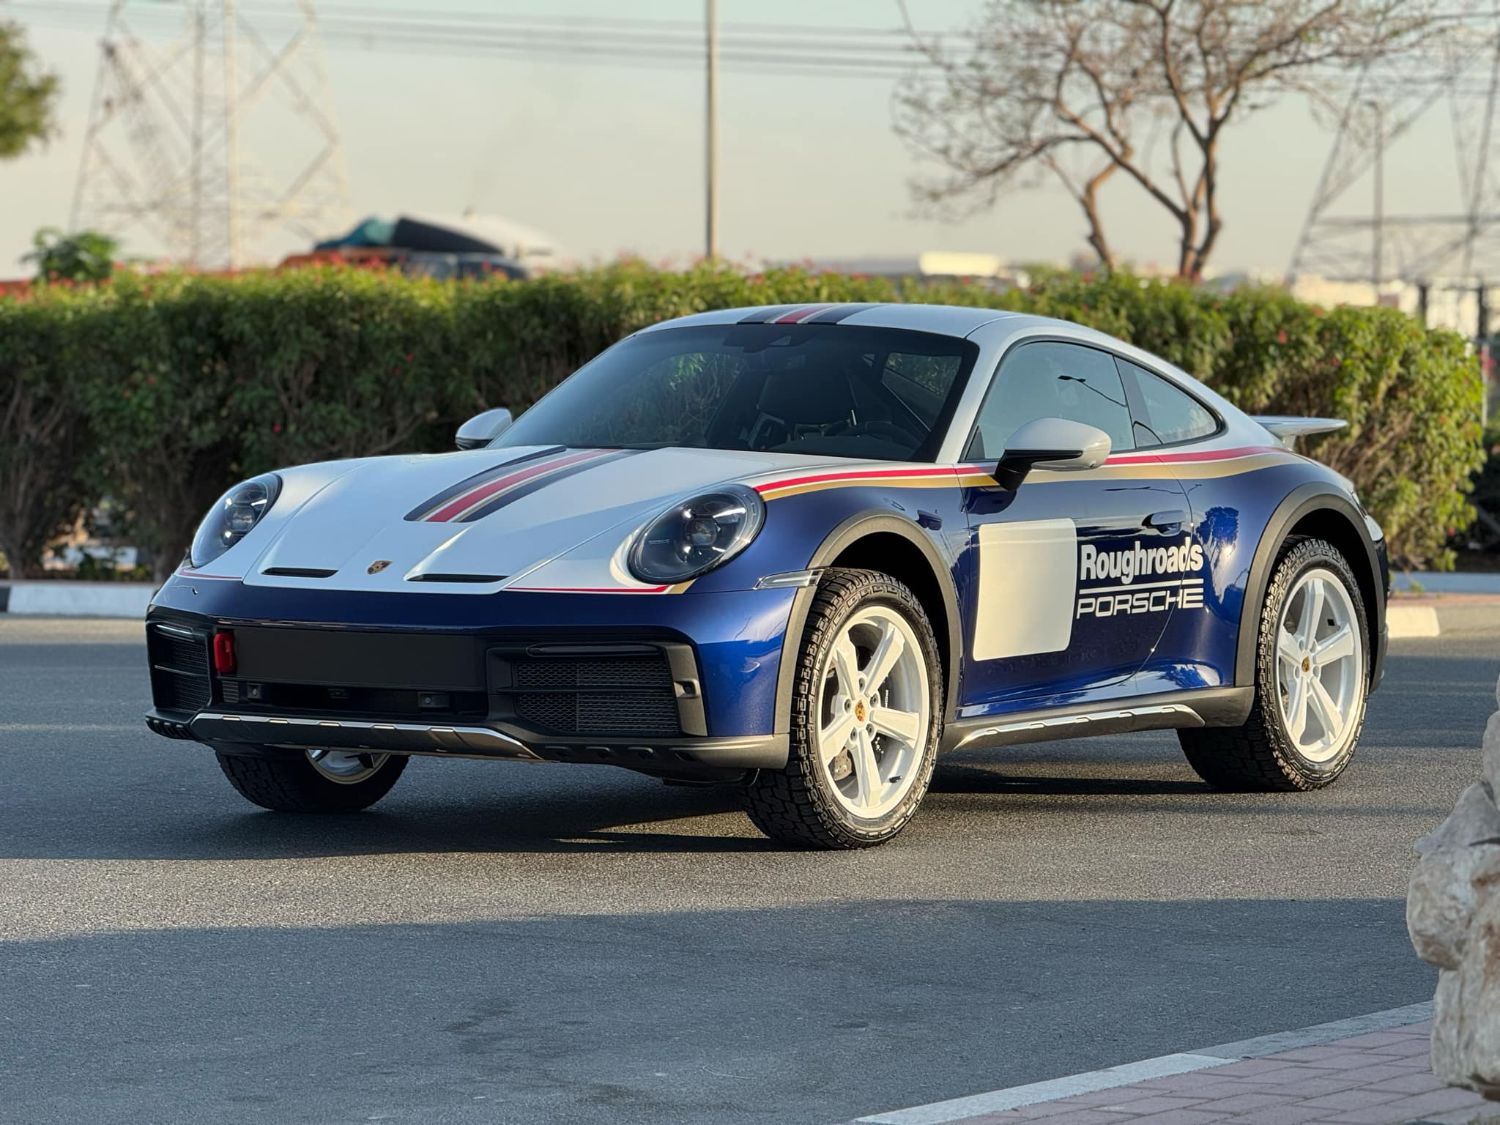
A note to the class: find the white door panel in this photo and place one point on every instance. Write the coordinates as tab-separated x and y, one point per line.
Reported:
1028	572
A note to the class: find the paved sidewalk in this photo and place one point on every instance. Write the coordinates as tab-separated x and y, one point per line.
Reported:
1449	582
1374	1078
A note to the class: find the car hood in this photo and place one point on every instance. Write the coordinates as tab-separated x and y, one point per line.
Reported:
474	522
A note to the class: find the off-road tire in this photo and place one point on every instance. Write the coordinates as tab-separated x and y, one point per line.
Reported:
1259	755
289	783
792	805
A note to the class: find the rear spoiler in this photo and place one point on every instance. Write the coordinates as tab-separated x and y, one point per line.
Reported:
1287	428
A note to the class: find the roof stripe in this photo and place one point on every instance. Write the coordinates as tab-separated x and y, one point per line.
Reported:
836	313
767	314
797	316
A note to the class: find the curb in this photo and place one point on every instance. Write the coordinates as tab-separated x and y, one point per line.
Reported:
1035	1093
1433	615
76	599
1408	621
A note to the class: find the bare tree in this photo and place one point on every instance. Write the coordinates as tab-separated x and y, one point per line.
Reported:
1140	91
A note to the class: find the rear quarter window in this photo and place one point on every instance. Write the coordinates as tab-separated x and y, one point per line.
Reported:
1166	414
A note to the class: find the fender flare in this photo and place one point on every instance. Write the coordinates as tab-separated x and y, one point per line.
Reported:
1302	501
847	533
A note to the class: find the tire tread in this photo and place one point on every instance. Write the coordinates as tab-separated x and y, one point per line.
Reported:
788	804
1256	756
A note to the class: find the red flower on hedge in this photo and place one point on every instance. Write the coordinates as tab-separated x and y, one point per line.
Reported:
276	427
1281	336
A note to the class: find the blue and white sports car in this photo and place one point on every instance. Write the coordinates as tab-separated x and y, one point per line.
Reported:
801	550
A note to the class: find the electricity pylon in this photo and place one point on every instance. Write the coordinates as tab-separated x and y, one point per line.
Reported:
1348	234
213	140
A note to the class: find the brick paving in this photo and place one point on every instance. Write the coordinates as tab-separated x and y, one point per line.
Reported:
1380	1078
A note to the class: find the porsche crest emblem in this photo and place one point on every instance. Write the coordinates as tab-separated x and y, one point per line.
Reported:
377	566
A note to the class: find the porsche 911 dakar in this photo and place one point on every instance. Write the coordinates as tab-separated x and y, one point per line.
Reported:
801	550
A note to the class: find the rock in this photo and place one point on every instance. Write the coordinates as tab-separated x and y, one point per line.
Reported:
1474	820
1447	1056
1466	1013
1453	916
1441	900
1490	760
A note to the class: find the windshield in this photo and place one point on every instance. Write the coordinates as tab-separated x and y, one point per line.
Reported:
827	389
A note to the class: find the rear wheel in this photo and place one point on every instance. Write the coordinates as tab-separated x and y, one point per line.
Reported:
865	719
315	781
1311	680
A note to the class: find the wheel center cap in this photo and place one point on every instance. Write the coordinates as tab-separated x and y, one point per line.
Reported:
1307	664
859	711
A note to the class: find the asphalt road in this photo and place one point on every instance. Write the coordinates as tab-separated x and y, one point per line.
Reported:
523	943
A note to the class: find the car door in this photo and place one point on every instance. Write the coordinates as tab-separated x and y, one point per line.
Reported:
1197	648
1071	576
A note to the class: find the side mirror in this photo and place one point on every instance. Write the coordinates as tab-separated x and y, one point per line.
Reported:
482	429
1056	444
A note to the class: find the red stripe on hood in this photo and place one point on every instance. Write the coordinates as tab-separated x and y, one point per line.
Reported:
460	504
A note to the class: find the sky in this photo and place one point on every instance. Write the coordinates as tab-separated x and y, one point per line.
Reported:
609	159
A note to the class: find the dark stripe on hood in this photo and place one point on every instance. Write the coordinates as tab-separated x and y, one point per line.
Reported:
434	502
521	491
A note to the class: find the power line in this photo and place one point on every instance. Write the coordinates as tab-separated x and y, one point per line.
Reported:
776	48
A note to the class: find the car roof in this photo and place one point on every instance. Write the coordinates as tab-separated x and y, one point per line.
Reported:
946	320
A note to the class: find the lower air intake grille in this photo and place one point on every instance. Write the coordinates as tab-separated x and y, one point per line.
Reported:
648	672
179	668
602	695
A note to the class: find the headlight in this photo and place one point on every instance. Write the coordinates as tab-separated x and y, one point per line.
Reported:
697	535
231	519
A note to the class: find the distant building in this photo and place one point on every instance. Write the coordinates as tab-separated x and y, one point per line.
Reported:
930	265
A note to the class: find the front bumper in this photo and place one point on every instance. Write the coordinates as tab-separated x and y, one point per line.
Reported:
684	686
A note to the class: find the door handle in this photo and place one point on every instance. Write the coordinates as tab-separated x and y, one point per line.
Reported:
1166	521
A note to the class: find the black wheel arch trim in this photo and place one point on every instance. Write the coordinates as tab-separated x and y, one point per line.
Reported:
845	535
1301	502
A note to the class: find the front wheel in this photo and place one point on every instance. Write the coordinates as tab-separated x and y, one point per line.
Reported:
315	781
1312	675
866	715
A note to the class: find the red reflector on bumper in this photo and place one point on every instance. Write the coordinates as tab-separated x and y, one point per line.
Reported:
224	663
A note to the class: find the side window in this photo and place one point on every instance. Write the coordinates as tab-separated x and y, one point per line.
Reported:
1170	415
1052	380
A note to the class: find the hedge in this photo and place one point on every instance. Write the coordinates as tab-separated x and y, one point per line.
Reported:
161	391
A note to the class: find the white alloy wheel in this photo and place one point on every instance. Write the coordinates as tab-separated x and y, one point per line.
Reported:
346	768
875	712
1320	665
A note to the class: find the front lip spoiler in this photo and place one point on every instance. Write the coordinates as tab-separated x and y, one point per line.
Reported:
688	755
357	734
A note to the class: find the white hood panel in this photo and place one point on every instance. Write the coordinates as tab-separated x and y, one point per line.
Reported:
359	518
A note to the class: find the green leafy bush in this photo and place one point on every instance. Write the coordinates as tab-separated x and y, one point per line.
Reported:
1486	529
178	386
46	477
